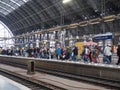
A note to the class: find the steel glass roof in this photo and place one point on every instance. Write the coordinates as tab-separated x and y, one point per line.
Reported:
23	16
7	6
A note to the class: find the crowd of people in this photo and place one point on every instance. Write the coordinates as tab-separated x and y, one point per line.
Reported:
45	52
90	54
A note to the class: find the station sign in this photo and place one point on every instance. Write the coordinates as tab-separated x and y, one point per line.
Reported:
103	37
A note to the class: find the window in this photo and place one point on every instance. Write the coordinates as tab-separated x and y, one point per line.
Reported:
6	40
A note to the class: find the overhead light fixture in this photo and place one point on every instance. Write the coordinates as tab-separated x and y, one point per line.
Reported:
83	23
94	21
73	25
66	1
109	18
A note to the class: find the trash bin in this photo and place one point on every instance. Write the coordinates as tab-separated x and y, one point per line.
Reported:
31	67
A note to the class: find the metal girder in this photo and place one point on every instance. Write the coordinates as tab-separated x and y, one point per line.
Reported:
32	6
25	18
52	12
21	13
12	18
2	15
25	22
43	15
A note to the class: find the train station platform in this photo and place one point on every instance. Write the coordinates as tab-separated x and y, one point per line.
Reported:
64	83
8	84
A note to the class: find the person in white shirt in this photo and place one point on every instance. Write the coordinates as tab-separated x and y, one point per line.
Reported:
52	52
108	53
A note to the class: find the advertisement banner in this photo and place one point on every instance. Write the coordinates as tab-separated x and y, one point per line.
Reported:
79	45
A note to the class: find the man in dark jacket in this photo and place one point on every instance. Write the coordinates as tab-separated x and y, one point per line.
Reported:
118	54
75	53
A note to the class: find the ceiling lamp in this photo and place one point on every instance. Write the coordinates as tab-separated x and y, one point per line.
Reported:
54	29
66	1
65	26
83	23
109	18
94	21
74	25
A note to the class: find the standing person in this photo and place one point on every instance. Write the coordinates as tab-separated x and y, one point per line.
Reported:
75	53
108	53
86	54
68	52
52	52
58	52
29	52
83	53
118	54
95	58
63	53
37	52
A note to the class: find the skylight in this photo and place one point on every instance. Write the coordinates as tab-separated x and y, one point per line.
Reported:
25	0
6	35
7	6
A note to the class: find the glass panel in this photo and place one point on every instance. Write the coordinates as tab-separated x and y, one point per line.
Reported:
12	4
5	36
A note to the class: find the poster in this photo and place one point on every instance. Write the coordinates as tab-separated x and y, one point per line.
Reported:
79	45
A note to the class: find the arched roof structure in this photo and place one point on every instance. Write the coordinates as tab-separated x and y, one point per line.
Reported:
23	16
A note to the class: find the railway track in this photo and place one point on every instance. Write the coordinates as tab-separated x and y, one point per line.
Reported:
115	85
29	84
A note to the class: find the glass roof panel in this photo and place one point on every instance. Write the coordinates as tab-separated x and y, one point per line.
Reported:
3	10
5	33
12	4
